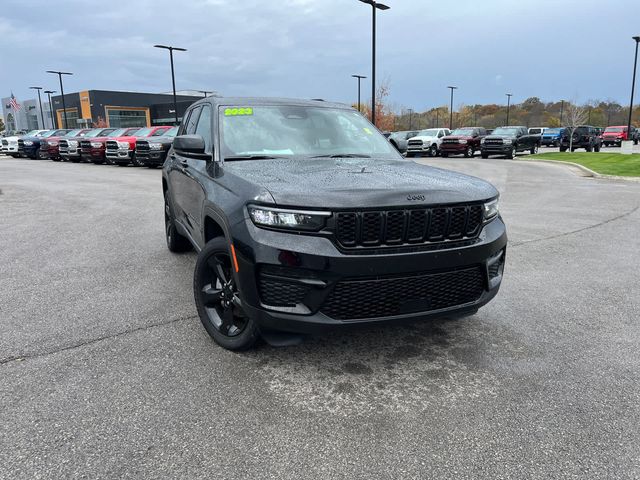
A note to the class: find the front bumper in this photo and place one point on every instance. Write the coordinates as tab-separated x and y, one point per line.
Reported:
418	148
93	155
617	141
311	269
29	151
70	153
454	148
548	141
119	155
152	157
10	148
496	149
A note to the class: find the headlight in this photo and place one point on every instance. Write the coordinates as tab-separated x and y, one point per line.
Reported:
155	146
462	141
290	219
507	141
482	141
123	145
28	143
96	144
53	143
72	143
490	209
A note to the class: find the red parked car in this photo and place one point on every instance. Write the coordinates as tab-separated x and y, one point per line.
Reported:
462	141
617	134
121	150
93	149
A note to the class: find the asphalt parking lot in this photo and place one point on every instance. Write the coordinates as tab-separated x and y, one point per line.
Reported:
105	371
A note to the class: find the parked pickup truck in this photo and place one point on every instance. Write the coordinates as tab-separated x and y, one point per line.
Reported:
152	152
70	149
121	150
462	141
551	137
427	141
508	141
93	149
50	147
615	135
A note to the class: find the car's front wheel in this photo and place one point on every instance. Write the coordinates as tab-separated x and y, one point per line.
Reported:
468	153
534	150
512	153
217	299
433	150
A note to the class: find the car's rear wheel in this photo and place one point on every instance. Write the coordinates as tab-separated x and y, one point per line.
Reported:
468	153
175	242
217	299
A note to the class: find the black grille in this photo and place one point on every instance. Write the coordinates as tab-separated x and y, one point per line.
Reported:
5	142
63	146
281	293
142	146
450	140
386	297
397	227
85	146
111	146
414	142
493	141
20	145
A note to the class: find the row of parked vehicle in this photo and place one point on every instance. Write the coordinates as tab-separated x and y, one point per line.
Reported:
508	140
140	146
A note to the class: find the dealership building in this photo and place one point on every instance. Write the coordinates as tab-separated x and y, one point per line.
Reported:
99	107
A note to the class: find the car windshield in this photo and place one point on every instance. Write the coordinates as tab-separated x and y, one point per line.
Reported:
172	132
94	133
73	133
509	131
429	132
535	130
128	131
118	132
160	132
51	133
463	131
32	133
553	130
144	132
300	130
615	129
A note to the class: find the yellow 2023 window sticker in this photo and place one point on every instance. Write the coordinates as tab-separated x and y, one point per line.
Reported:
238	111
368	131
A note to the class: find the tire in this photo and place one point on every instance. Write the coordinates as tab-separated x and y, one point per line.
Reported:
136	162
217	299
511	153
176	242
433	150
596	148
468	153
409	155
151	165
588	148
563	149
534	150
484	155
556	144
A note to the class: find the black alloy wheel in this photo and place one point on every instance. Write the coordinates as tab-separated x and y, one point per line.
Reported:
218	301
433	150
468	153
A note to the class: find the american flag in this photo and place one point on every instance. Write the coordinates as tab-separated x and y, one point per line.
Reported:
14	103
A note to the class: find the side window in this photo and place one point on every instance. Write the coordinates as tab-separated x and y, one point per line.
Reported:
204	127
193	120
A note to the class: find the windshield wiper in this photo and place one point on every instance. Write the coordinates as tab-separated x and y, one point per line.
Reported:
250	157
343	155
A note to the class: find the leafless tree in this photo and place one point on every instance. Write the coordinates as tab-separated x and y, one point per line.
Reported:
575	116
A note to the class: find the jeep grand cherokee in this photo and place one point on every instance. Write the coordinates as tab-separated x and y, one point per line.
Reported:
305	217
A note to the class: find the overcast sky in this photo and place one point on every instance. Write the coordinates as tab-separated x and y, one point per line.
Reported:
571	49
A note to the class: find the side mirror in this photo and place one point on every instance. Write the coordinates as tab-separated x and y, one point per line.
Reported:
191	146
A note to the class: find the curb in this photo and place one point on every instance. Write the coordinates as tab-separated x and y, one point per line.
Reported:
584	169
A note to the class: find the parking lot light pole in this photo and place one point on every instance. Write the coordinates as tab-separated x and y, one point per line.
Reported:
359	78
411	119
173	76
54	123
451	108
380	6
633	86
40	103
64	107
561	110
509	95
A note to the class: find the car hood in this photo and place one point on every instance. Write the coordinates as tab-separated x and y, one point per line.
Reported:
458	137
359	182
129	139
423	138
11	139
96	139
164	140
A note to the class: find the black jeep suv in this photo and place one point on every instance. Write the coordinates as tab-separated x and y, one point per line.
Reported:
584	136
305	217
